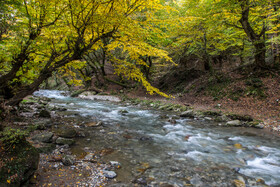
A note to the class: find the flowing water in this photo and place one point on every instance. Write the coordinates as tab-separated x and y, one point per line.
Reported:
196	152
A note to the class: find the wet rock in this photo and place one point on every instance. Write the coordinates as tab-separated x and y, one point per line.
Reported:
188	114
89	156
238	146
144	138
234	123
187	137
240	117
44	114
163	117
172	121
109	174
208	118
43	137
257	125
127	136
123	111
222	118
64	141
115	164
67	133
45	148
68	160
41	127
119	185
94	124
196	181
239	183
54	138
141	181
106	151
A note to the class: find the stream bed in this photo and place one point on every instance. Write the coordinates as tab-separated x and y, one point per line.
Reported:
153	151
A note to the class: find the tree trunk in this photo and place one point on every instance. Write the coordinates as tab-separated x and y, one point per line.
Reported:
256	39
260	54
28	90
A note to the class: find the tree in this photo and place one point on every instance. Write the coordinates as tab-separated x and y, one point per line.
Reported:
54	33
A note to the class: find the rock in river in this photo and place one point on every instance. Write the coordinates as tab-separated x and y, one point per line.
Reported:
67	133
94	124
115	164
188	114
43	137
109	174
68	160
44	114
64	141
235	123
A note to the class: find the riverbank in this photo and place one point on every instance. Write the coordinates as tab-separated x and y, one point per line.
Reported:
121	138
266	110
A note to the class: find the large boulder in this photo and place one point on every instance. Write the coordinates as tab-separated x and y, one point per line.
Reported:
67	133
18	164
45	137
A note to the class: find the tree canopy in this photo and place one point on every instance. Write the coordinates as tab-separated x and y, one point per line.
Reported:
39	37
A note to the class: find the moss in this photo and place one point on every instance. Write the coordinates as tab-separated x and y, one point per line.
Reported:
18	164
76	93
254	123
240	117
28	100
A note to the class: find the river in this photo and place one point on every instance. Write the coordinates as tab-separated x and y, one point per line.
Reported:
151	149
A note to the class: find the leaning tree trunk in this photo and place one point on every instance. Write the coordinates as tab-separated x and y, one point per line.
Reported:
256	39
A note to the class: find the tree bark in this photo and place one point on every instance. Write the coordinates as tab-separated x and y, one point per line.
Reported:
256	39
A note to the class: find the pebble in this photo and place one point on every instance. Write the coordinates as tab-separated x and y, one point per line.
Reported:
109	174
115	164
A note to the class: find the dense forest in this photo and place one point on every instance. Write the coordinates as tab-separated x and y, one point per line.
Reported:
221	55
40	39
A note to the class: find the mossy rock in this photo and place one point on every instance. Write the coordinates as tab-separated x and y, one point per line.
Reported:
45	114
240	117
18	164
67	132
78	92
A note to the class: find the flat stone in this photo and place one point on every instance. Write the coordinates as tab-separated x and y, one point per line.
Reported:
188	114
208	118
94	124
235	123
64	141
43	137
109	174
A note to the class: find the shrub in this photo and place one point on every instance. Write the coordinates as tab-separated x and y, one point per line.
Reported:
11	137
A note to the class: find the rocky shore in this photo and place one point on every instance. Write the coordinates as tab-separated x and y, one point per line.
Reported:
53	135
